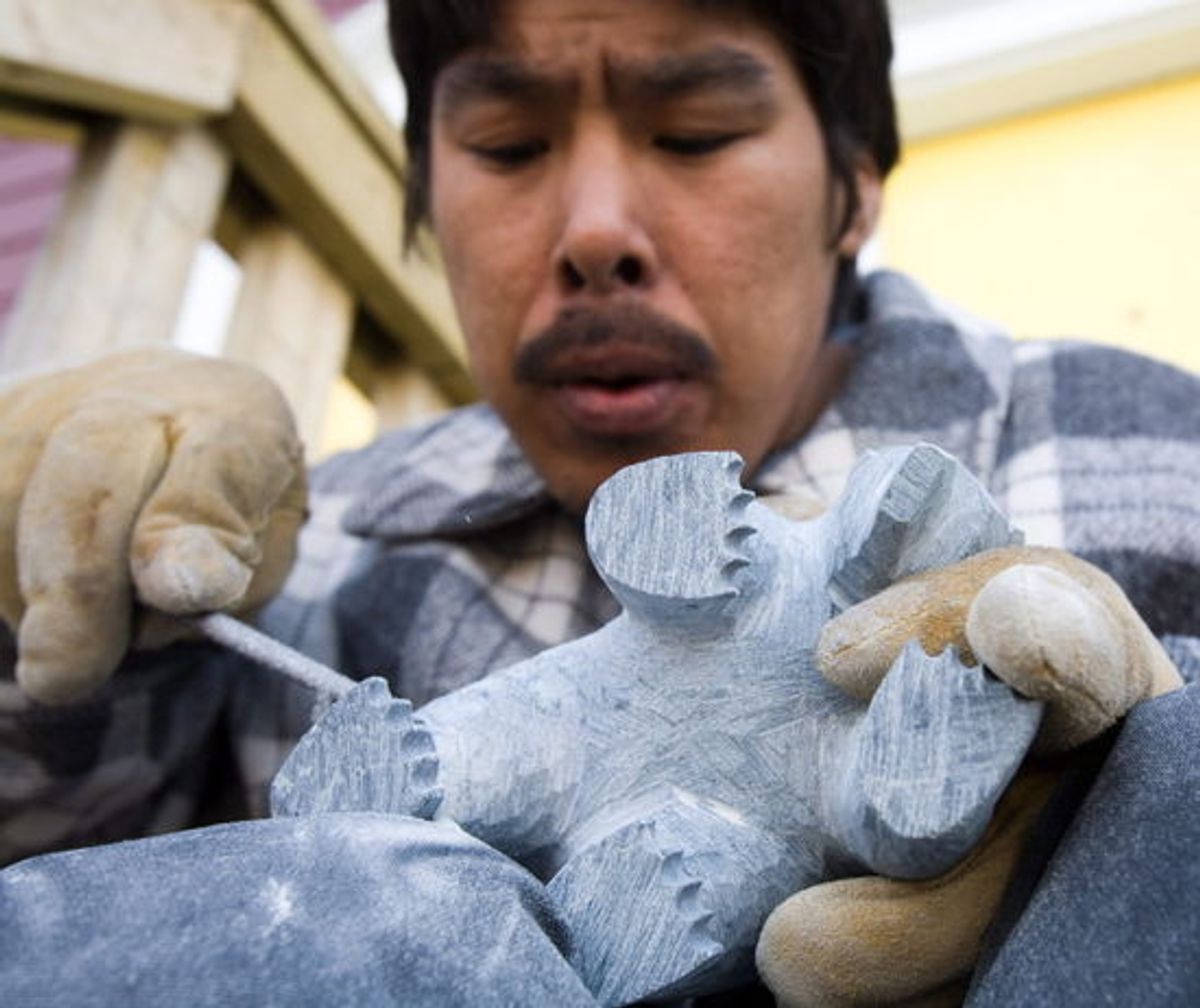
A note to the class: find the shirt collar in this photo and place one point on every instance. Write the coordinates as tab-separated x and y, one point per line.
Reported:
460	474
924	371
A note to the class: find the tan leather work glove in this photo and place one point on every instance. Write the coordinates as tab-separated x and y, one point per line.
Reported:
151	477
1054	628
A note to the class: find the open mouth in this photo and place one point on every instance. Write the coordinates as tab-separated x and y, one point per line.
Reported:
622	403
623	372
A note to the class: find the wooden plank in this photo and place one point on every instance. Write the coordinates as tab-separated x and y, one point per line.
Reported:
168	60
401	393
303	21
21	119
292	136
404	395
242	212
114	268
293	320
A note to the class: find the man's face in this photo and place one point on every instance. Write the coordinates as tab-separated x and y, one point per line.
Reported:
633	202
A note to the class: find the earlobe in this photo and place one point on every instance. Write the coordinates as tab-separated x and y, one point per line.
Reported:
866	216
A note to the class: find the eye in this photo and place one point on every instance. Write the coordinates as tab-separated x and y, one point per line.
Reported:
509	155
695	146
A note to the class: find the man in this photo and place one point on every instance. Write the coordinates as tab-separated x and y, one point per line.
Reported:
649	215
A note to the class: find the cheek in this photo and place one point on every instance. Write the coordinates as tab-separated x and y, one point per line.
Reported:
762	277
763	270
488	253
764	215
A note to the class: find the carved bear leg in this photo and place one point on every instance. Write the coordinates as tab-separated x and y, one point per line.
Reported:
921	773
670	901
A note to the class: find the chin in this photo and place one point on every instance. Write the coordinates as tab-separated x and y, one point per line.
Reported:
572	481
573	476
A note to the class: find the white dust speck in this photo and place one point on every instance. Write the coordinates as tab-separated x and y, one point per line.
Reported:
277	896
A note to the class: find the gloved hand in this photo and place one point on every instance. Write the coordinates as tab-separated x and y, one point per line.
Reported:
1054	628
150	478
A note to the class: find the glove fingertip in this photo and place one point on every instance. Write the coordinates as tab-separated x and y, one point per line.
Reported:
58	663
853	657
49	685
190	570
1051	639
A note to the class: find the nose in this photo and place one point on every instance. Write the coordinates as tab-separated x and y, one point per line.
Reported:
604	247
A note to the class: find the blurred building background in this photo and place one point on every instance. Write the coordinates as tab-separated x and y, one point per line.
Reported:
1050	181
1051	177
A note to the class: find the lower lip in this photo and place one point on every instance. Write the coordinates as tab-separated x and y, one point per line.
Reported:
634	411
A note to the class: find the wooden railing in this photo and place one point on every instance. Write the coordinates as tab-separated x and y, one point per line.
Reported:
237	121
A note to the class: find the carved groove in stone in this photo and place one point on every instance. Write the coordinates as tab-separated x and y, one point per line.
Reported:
337	769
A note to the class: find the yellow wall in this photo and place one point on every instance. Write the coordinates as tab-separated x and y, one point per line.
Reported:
1081	221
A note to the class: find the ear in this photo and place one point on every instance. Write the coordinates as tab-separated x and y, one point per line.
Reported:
870	199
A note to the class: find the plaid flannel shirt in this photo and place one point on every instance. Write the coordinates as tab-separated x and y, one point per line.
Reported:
434	556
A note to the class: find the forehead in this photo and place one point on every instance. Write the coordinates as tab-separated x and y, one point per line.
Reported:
641	48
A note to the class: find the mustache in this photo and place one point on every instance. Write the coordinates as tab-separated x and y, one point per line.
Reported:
553	356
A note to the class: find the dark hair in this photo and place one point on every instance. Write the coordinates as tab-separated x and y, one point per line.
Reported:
842	50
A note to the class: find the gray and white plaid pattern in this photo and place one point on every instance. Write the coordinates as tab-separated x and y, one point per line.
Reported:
434	556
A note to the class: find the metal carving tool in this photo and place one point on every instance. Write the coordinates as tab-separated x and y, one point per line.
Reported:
244	640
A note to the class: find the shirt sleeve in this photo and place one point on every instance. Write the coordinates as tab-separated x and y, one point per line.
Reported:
178	737
131	761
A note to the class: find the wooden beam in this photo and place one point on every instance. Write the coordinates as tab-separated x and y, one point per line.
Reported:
39	123
401	393
309	30
241	214
115	265
292	136
166	60
404	395
293	319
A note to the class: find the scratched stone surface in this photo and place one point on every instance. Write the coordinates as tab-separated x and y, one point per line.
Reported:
675	775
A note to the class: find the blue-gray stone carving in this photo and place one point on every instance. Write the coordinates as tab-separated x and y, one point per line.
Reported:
678	773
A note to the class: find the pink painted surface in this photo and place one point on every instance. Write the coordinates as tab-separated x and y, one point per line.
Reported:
32	180
335	9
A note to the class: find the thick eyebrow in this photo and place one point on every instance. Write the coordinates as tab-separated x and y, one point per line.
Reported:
495	77
720	68
488	77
